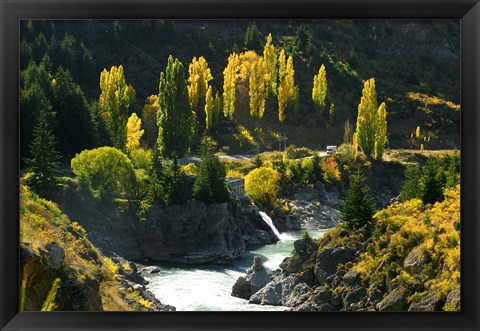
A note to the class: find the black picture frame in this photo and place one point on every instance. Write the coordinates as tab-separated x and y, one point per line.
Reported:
11	11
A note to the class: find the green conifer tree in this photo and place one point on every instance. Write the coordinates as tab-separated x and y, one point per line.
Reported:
358	209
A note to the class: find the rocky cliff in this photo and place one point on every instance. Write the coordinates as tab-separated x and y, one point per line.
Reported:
196	233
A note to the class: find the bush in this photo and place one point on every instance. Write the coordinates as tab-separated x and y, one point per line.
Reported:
141	158
330	170
262	186
308	169
293	152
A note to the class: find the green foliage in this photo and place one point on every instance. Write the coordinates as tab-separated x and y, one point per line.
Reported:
209	185
271	63
358	207
174	184
252	39
49	303
106	171
308	169
44	160
261	185
432	183
410	184
175	118
257	161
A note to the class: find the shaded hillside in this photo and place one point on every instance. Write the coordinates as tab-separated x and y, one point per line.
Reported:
415	63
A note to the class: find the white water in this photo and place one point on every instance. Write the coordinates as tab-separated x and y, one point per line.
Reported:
208	288
269	221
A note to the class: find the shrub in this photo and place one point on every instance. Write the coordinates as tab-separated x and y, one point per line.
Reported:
308	169
262	186
330	170
141	158
190	169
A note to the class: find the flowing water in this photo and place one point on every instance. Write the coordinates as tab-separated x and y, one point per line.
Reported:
208	288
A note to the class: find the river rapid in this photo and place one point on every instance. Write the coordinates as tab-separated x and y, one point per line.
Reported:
208	288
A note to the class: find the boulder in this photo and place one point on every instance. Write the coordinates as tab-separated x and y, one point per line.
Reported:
193	233
54	255
396	300
282	291
303	196
430	302
328	260
414	261
351	277
256	278
353	296
271	294
303	258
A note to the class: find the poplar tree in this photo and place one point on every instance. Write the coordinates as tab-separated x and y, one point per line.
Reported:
175	118
114	103
229	80
366	120
381	131
287	91
257	86
209	103
199	76
217	104
319	90
271	63
134	132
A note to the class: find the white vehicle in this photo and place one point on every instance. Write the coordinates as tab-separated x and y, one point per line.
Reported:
331	149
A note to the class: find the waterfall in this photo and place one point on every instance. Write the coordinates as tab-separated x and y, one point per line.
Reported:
269	221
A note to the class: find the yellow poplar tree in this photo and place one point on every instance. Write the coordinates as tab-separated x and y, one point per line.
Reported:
282	65
217	104
319	90
134	132
199	76
149	119
114	103
257	84
209	103
381	131
229	80
366	119
287	91
354	146
270	59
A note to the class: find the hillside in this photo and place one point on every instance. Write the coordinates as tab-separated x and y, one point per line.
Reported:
61	269
409	260
415	64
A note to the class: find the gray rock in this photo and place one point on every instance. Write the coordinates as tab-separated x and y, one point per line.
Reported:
271	294
431	302
282	291
328	260
303	196
351	277
414	261
256	278
396	300
453	299
152	269
353	296
54	255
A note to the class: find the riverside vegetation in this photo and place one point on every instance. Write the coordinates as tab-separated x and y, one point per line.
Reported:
121	169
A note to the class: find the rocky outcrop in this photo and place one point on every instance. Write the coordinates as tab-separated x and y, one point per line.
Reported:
453	300
254	229
327	261
431	302
41	270
193	233
255	279
396	300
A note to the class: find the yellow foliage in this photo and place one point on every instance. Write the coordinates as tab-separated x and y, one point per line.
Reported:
190	169
110	267
261	185
199	76
134	132
126	266
429	100
234	173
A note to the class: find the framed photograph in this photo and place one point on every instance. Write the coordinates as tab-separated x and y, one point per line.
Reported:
239	165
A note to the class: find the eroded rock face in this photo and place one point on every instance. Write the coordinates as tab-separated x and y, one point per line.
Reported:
193	233
327	261
431	302
453	299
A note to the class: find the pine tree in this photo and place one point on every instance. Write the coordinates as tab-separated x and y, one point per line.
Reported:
432	183
252	38
319	90
175	118
410	188
44	159
271	60
134	132
114	103
209	185
380	131
229	83
209	104
358	207
174	179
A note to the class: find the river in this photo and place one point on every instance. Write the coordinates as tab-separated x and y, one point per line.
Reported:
208	288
